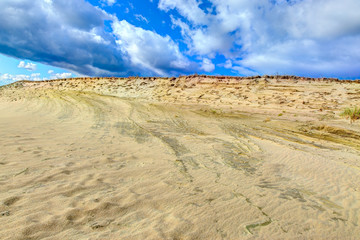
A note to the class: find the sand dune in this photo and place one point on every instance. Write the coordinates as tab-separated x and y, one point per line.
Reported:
187	158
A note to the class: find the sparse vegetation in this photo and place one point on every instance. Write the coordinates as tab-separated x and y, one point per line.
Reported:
351	113
267	120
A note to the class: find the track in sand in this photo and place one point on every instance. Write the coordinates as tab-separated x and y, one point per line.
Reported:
80	165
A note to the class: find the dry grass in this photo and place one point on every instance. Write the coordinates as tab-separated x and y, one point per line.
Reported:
351	113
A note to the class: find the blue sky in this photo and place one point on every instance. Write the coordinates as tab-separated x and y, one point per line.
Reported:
48	39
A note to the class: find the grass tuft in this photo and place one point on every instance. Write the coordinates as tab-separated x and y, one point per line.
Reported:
351	113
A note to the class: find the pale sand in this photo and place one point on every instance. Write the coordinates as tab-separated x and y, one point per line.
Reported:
77	163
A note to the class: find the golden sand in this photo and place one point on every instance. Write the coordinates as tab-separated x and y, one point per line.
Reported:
186	158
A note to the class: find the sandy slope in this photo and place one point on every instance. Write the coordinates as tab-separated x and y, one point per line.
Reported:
91	161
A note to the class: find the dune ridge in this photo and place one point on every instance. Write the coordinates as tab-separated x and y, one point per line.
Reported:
194	157
268	92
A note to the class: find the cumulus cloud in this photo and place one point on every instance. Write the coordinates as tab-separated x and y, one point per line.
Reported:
149	50
109	2
207	65
28	66
7	78
304	37
72	35
228	64
203	34
66	34
187	8
243	71
317	37
323	19
60	75
35	76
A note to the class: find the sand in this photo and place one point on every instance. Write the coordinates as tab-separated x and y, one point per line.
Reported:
187	158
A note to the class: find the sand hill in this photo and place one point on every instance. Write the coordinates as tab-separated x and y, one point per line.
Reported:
193	157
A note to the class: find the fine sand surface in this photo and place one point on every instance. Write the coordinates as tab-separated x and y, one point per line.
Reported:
191	158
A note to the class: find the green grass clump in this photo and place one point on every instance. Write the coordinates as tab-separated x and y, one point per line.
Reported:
351	113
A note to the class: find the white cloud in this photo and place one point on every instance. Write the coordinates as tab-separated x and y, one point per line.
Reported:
323	19
65	34
149	50
244	71
203	33
140	17
207	65
10	77
59	75
7	78
79	39
312	37
228	64
340	57
28	66
109	2
35	74
50	71
188	8
21	64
